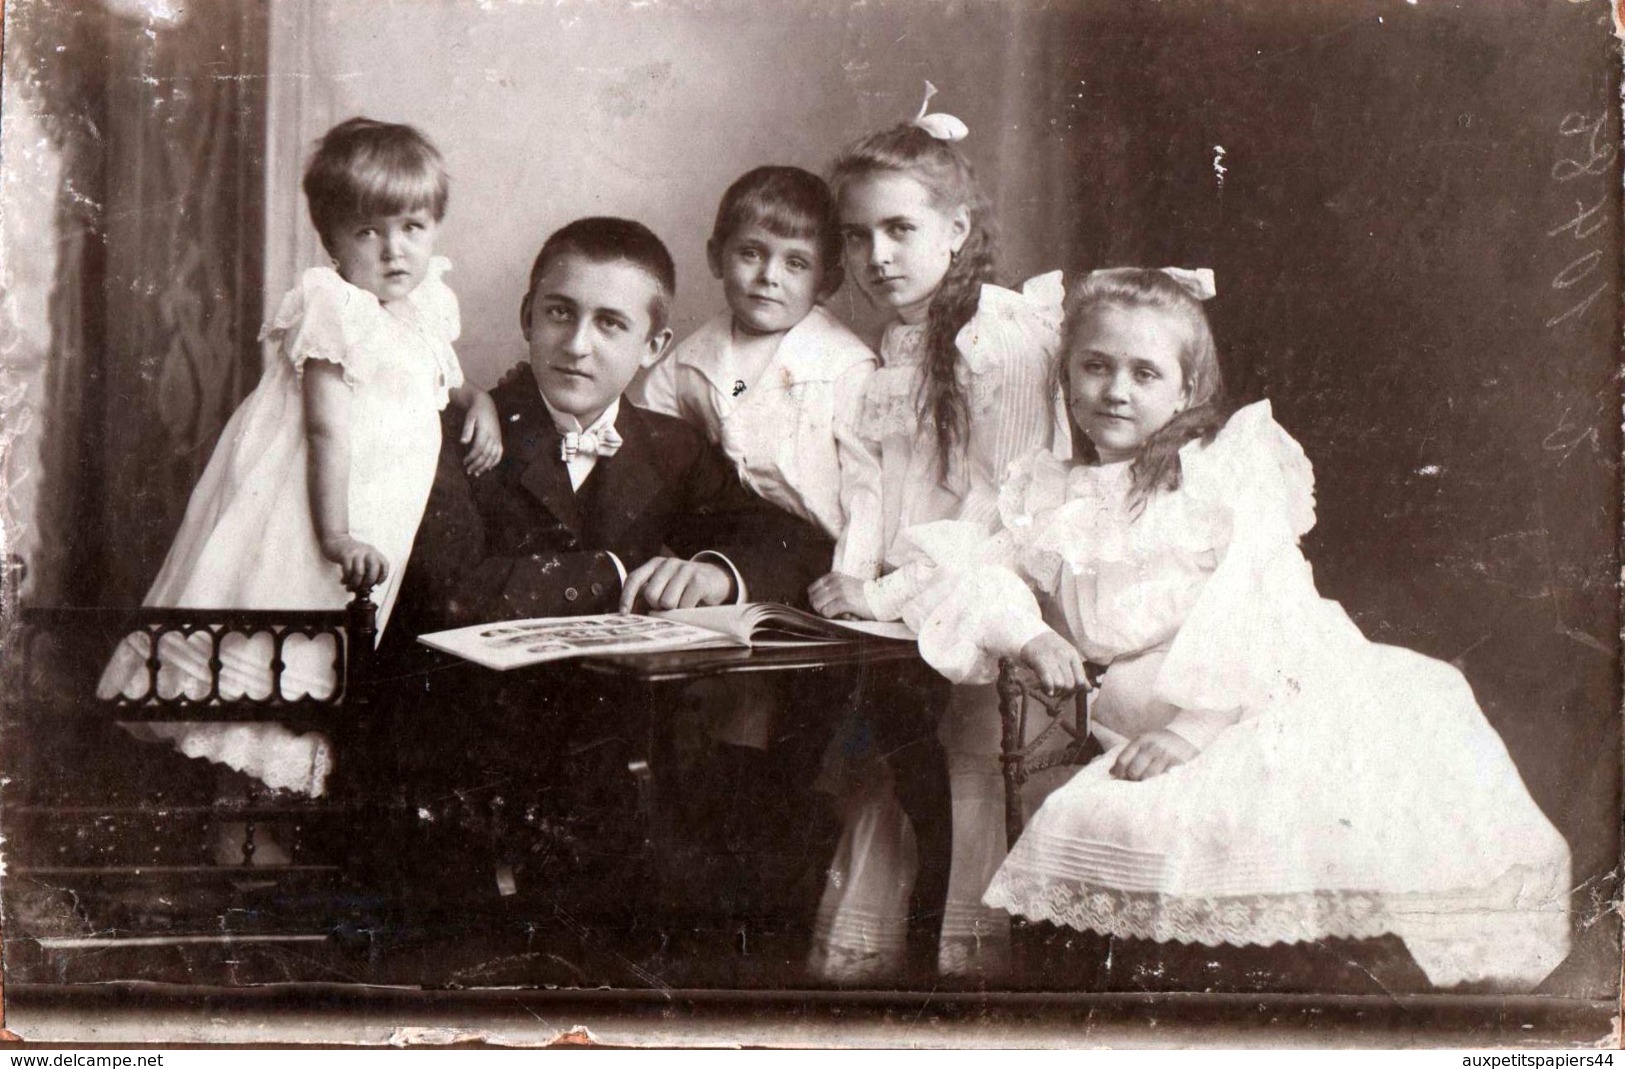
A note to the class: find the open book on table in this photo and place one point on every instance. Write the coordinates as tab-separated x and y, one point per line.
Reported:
518	643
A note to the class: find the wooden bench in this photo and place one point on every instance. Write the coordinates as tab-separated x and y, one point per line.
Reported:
112	843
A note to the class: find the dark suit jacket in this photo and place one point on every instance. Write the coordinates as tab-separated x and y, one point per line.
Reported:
470	745
519	542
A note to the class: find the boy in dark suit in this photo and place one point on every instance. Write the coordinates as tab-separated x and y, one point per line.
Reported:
591	488
592	498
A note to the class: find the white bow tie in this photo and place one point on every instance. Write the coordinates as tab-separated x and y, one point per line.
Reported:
602	443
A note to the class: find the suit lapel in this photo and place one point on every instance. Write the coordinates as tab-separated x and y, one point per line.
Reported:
532	444
625	484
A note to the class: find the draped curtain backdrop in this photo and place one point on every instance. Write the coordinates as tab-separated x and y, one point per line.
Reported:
140	335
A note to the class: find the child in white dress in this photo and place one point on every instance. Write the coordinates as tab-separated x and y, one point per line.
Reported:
1272	776
321	475
964	388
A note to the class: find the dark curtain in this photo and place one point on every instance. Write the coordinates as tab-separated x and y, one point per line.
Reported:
156	304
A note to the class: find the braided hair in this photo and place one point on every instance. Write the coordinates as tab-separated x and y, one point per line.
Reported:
947	175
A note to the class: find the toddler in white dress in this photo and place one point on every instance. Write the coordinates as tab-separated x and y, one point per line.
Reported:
321	475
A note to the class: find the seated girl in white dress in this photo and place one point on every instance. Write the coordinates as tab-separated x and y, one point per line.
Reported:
1272	776
321	475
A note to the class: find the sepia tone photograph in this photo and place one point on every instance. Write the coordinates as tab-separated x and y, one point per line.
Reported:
1135	484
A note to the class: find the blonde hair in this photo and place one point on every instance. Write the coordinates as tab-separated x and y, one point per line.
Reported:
363	168
947	175
1156	464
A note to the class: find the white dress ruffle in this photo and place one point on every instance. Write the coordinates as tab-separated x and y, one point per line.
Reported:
1343	789
1007	355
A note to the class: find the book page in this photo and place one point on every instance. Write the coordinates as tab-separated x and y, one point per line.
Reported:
768	624
735	621
517	643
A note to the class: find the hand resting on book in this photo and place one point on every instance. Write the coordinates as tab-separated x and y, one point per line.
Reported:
671	583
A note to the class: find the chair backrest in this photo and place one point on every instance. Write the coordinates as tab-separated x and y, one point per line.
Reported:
89	811
1028	745
55	656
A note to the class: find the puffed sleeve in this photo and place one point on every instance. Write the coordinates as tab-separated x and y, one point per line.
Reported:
437	302
1010	348
889	596
437	305
1259	610
858	551
886	595
987	613
325	318
980	603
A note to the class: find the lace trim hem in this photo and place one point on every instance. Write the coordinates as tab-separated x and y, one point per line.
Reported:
1508	933
1239	920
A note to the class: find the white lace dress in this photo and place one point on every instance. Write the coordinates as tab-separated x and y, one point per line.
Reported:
248	541
1342	789
1007	369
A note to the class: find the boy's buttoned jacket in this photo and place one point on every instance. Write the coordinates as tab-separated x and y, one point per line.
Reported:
519	542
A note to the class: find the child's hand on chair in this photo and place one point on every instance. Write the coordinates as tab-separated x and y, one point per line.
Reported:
362	565
1056	662
1152	754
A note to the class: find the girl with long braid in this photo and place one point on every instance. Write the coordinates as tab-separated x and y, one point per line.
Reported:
966	386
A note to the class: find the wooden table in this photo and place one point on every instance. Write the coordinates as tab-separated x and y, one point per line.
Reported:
648	682
687	665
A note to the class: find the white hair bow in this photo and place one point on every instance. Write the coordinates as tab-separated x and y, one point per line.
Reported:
940	125
1198	282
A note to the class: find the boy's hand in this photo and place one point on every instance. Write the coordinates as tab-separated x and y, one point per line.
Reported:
363	566
669	583
1152	754
1056	662
839	595
482	433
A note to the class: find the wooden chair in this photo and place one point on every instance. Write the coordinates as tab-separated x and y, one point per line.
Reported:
1064	740
111	842
1043	957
